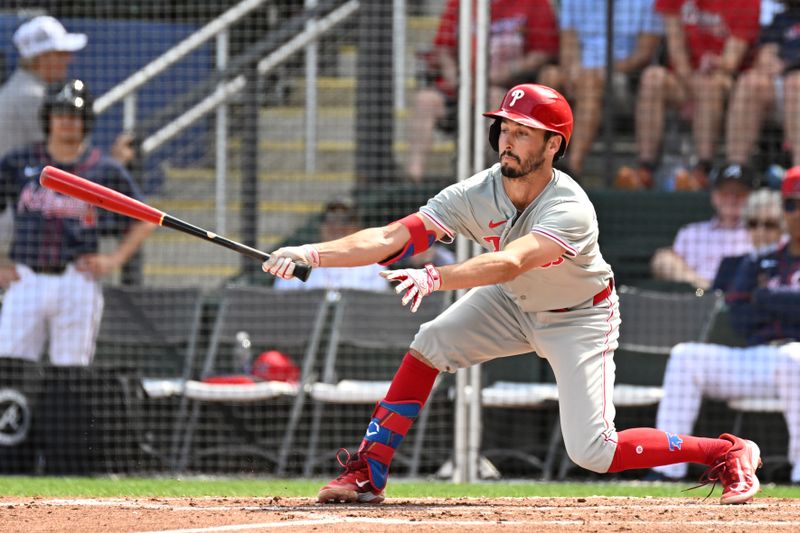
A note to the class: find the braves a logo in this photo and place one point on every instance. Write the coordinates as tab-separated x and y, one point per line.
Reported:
515	95
15	417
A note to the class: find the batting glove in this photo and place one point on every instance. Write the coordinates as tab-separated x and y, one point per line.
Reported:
416	282
281	261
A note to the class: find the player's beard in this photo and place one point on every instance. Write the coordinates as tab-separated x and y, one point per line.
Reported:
529	166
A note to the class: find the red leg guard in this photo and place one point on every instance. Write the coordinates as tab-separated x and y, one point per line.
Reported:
648	447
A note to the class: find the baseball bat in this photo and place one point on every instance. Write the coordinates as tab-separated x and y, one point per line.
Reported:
95	194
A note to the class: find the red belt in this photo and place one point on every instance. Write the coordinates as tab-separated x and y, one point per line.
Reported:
596	299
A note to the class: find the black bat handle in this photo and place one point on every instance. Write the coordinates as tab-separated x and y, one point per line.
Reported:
301	270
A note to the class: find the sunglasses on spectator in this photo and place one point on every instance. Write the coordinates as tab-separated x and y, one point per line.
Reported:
791	204
766	224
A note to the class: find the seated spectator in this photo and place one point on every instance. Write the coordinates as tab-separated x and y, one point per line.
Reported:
523	37
763	216
770	91
764	303
699	247
340	219
54	291
581	70
707	46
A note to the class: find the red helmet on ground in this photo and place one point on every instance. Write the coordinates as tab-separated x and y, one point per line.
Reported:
536	106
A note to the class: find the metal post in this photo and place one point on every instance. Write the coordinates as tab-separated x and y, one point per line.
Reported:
374	107
131	273
478	129
249	193
312	63
608	96
399	28
221	141
129	112
460	459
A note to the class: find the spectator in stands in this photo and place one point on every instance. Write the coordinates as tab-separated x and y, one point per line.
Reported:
708	44
53	284
764	302
699	247
45	50
763	216
523	38
581	71
770	91
340	219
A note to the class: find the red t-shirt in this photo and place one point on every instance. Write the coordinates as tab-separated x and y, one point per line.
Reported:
517	27
708	23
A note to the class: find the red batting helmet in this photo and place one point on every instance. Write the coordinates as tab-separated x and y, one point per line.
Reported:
536	106
791	182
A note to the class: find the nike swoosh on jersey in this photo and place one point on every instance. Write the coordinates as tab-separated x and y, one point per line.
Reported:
30	172
493	224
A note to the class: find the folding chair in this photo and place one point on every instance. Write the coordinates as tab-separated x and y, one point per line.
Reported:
153	330
365	326
652	323
521	395
290	321
767	412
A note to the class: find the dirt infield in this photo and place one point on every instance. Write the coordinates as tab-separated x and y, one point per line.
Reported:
533	515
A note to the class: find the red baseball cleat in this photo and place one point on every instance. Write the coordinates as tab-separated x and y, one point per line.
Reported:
353	485
736	470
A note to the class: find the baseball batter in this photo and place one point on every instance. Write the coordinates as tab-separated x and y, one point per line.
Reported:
542	286
53	288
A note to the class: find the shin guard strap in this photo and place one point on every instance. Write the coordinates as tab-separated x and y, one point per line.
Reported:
380	452
390	423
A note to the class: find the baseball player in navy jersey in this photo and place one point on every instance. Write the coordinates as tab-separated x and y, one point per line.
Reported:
541	286
52	284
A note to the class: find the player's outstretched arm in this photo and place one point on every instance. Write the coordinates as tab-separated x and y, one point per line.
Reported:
519	256
491	268
364	247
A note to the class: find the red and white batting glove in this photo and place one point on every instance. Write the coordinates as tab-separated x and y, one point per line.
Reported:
416	282
281	261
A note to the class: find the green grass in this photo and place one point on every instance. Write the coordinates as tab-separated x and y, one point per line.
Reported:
75	487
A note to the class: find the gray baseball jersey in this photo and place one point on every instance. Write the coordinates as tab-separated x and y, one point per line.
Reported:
480	209
563	311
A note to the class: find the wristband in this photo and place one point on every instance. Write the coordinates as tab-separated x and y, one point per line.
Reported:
436	277
312	254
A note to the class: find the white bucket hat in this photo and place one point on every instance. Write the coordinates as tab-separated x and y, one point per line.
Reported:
46	34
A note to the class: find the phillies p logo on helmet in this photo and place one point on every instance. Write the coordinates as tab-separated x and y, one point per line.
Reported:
515	95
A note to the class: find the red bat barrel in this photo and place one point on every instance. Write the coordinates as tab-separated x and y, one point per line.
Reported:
95	194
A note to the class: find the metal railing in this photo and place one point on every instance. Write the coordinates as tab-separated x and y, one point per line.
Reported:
229	80
128	87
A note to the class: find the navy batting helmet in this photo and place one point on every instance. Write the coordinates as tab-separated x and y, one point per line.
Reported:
72	98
